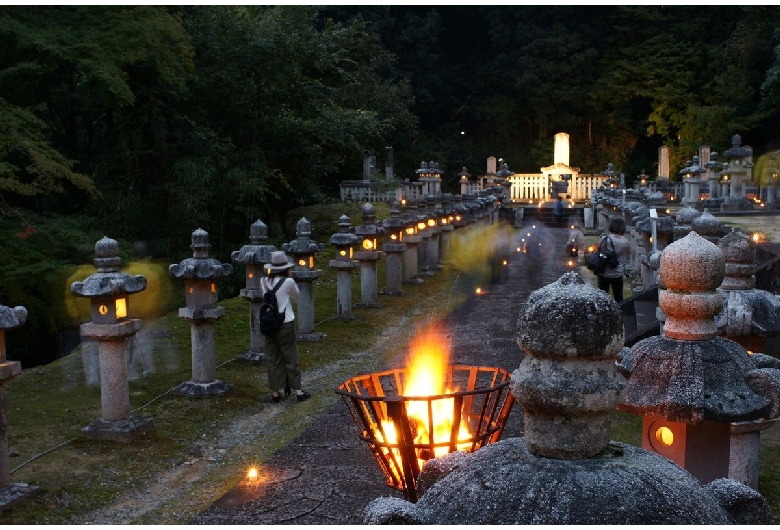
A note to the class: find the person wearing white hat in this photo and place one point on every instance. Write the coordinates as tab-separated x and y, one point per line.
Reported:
284	370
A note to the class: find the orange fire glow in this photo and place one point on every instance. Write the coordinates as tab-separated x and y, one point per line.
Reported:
429	356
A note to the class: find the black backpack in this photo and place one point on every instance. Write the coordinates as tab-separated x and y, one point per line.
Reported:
271	319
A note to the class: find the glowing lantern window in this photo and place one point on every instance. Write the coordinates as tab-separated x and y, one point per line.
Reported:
431	222
342	253
121	308
664	435
410	230
108	310
213	287
302	262
369	244
420	226
250	275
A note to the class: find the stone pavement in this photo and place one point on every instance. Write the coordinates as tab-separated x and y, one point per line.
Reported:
327	475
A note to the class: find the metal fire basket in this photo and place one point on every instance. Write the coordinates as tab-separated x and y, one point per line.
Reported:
479	400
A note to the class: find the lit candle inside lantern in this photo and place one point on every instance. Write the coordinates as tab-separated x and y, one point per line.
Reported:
121	307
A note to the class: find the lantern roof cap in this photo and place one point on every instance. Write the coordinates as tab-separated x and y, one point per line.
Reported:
12	317
344	237
108	280
256	253
200	266
303	244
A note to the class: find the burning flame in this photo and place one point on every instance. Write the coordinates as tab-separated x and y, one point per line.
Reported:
251	473
427	363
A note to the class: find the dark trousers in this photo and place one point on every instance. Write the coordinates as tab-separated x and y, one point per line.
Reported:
615	283
282	358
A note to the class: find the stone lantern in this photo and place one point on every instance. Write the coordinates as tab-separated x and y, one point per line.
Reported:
737	173
688	384
424	231
108	291
412	239
446	226
691	174
434	226
368	255
344	242
304	273
200	274
394	247
771	183
254	256
714	167
429	175
750	317
10	318
464	180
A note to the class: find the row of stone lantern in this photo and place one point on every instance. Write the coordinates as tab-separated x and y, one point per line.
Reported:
109	288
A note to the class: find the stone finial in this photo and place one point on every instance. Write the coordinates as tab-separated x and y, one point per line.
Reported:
200	244
707	225
570	333
258	232
303	228
368	213
739	253
107	255
692	269
686	215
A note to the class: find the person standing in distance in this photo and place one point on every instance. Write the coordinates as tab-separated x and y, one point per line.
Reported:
558	211
613	276
281	348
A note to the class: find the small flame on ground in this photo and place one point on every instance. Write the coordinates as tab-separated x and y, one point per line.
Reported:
252	473
478	290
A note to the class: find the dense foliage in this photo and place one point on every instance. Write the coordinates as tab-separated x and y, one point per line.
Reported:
145	122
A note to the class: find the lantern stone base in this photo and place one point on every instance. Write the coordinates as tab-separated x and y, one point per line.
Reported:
9	370
369	305
413	281
251	357
310	337
392	292
14	492
123	431
200	315
212	389
110	332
